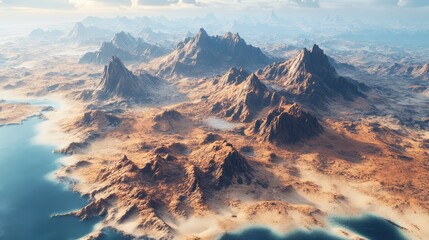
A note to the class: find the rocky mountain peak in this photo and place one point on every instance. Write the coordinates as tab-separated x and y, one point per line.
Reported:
124	41
287	125
201	37
235	76
204	53
314	62
235	38
311	77
240	96
202	33
118	81
254	84
77	31
225	165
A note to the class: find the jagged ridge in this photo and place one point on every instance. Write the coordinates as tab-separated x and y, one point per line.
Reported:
203	52
311	76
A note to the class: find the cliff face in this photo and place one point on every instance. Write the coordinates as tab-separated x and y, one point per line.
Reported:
207	53
310	76
284	126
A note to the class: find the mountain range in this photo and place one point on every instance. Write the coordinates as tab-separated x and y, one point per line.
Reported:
85	35
414	71
310	76
124	46
203	53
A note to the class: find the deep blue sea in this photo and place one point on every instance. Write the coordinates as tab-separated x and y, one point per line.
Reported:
369	226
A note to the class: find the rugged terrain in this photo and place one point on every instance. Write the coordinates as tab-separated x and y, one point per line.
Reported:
15	113
202	53
140	148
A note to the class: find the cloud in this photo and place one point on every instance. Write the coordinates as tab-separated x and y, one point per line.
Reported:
165	2
115	2
413	3
305	3
373	3
385	2
47	4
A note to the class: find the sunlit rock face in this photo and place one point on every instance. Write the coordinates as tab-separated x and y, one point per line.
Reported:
310	76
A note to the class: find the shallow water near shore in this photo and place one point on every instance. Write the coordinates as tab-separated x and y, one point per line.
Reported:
28	198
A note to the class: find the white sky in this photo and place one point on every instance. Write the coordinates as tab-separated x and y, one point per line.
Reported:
14	12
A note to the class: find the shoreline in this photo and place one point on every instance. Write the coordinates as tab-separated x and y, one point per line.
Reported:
50	132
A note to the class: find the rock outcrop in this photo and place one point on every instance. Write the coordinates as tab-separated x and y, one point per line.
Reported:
286	126
118	81
167	120
98	119
310	76
204	53
240	96
222	165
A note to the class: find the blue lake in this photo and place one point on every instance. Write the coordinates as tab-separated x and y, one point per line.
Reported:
28	198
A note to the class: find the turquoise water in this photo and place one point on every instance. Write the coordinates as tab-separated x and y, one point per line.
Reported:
369	226
27	197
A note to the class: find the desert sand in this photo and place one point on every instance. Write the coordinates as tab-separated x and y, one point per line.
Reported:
359	164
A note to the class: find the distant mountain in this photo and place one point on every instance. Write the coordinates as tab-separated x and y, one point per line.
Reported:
148	35
403	70
105	53
45	34
287	125
202	53
125	41
82	35
240	96
310	76
124	46
118	81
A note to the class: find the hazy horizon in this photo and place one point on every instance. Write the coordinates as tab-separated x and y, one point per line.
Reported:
391	14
